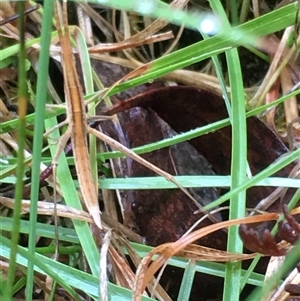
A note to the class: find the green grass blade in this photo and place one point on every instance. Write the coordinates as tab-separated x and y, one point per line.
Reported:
29	120
22	110
44	230
41	96
187	281
188	182
271	169
238	161
238	174
72	199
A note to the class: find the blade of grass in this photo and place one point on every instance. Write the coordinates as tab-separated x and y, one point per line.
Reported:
245	7
234	12
41	96
188	182
187	281
72	199
15	49
22	110
45	230
239	158
29	120
271	169
238	172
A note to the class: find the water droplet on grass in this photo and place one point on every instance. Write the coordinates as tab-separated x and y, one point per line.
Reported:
209	25
145	6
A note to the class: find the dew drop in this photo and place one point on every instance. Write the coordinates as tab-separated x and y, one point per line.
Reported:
209	25
145	6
